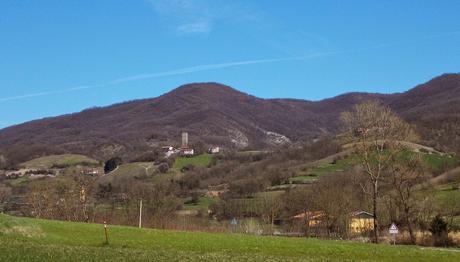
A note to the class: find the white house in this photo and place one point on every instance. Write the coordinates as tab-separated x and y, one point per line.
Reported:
214	150
187	151
169	151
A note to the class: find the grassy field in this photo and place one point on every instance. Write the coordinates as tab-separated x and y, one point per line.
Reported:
134	169
203	203
146	171
435	162
59	160
447	191
444	197
25	239
200	160
312	174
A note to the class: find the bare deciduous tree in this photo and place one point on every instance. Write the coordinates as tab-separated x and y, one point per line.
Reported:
299	200
270	209
406	176
5	193
375	132
336	197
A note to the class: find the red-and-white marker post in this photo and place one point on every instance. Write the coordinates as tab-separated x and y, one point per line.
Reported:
105	231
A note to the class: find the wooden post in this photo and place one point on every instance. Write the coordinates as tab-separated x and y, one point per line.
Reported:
105	231
140	214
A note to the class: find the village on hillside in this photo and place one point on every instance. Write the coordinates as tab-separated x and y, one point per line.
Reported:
204	191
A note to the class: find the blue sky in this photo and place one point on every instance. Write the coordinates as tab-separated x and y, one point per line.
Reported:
59	57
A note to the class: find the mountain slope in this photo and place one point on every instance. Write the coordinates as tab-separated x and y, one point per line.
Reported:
216	114
434	108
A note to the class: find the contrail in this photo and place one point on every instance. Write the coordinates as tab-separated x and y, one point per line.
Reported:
180	71
45	93
208	67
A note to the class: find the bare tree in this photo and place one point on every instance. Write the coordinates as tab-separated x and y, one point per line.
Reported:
271	207
299	200
375	132
85	186
407	175
57	199
41	200
336	197
5	193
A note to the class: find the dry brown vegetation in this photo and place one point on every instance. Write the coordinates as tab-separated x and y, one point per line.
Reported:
214	114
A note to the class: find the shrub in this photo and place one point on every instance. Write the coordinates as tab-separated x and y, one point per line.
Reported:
195	198
163	168
188	167
439	231
111	164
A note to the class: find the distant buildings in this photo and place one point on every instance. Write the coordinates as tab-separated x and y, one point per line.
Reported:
358	221
214	150
361	221
184	140
185	149
169	151
31	173
216	191
90	171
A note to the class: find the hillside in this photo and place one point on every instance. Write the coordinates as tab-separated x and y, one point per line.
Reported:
216	114
434	108
44	240
51	161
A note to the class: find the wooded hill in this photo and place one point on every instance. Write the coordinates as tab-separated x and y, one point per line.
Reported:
220	115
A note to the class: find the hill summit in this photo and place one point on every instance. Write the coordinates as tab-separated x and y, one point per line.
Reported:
215	114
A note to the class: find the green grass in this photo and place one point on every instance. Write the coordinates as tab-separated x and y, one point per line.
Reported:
203	203
456	222
62	160
338	166
436	162
446	192
444	196
133	169
315	172
18	181
25	239
142	170
200	160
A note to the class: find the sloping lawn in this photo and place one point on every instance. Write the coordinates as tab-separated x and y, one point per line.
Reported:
60	160
25	239
200	160
203	203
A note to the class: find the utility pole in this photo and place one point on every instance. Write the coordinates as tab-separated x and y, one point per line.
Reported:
140	214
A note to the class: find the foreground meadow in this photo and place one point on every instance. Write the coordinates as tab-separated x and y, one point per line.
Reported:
26	239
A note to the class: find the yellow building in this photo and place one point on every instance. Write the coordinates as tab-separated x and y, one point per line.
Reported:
359	221
313	218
